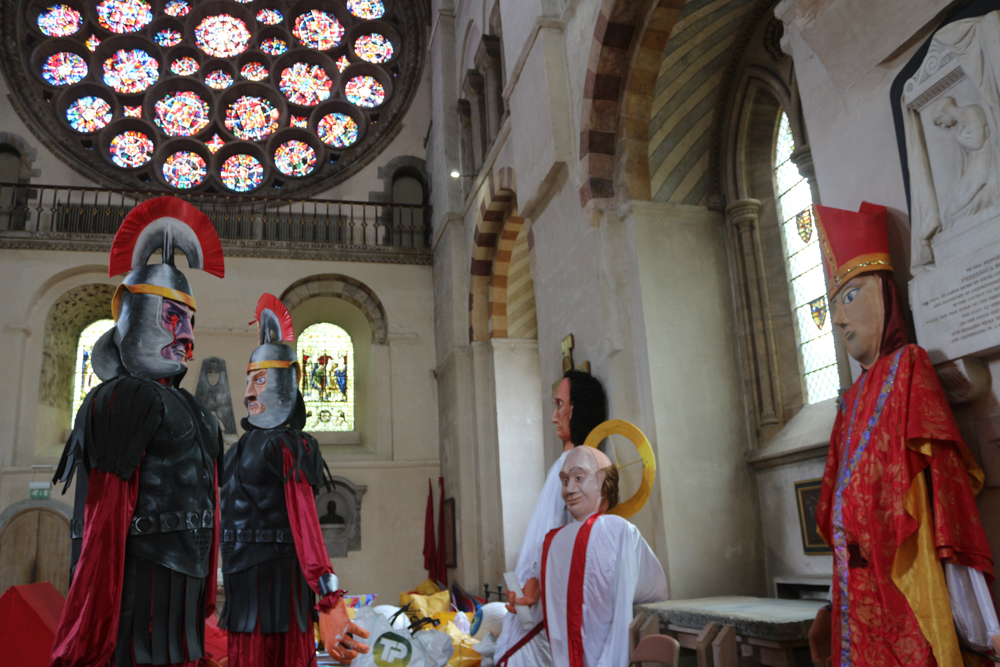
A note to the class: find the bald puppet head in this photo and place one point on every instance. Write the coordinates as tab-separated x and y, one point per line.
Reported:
590	482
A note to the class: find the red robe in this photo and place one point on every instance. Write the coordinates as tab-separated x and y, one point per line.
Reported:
898	497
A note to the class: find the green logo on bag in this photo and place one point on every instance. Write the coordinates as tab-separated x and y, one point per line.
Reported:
392	650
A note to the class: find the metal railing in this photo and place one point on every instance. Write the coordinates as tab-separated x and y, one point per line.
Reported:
44	212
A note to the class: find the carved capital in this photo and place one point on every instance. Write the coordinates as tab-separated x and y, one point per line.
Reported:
488	54
743	214
964	380
802	158
473	84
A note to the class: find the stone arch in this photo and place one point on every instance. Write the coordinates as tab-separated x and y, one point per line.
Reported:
512	292
68	316
343	287
628	147
25	150
497	204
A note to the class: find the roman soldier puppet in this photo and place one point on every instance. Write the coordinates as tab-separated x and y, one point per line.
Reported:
898	498
274	557
145	456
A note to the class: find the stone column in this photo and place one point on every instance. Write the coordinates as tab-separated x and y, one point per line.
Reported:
488	62
473	88
763	388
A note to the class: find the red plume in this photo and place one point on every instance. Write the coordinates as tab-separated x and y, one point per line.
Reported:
273	303
165	207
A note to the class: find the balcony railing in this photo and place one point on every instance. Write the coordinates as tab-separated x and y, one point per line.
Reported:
77	218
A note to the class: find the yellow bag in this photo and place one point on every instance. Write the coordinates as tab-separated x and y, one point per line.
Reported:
425	606
464	655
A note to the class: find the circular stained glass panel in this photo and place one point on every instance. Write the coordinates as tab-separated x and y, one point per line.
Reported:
185	170
59	21
366	9
252	118
270	16
89	114
219	79
124	16
222	36
374	48
338	130
177	8
273	46
318	30
167	38
365	91
185	66
64	69
131	149
131	71
305	84
295	158
254	71
181	114
242	172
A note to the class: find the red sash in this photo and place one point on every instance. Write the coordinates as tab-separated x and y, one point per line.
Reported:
574	594
502	662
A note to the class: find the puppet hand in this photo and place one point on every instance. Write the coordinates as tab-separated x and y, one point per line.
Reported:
334	626
819	637
995	643
532	591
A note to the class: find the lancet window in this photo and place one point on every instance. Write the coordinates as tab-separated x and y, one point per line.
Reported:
326	356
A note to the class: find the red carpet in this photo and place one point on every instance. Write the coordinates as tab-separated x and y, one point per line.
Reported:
29	615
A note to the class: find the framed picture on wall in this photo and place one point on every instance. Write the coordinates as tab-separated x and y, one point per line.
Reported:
807	497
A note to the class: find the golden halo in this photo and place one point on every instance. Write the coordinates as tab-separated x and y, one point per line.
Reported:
629	507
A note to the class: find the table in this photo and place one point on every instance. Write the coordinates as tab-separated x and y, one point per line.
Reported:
764	631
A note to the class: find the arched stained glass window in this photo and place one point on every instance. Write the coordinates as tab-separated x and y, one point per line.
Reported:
326	355
804	265
84	378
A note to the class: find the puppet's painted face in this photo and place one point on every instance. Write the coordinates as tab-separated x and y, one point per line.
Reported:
178	320
859	315
582	480
562	411
256	384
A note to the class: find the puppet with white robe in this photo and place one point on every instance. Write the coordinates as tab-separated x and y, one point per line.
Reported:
594	569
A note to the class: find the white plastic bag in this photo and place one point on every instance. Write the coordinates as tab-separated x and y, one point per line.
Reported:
390	647
438	645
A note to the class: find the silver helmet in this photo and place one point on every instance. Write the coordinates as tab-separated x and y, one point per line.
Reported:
280	402
135	345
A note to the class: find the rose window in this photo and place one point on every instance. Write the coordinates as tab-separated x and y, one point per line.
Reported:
228	96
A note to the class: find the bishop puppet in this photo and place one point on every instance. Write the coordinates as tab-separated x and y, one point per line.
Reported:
274	557
145	456
898	498
594	569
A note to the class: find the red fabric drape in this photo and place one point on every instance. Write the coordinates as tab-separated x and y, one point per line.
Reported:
287	649
430	546
88	628
442	553
309	545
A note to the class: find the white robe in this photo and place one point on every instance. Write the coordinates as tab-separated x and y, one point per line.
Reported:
550	512
620	570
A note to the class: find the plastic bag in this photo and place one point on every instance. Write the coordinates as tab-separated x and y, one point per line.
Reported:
439	646
425	606
388	646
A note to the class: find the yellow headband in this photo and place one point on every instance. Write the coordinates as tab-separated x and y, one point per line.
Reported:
260	365
155	290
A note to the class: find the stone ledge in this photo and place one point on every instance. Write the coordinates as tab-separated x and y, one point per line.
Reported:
770	619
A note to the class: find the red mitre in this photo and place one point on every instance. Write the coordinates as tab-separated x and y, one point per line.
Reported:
852	243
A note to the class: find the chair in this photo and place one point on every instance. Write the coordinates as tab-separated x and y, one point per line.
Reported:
659	649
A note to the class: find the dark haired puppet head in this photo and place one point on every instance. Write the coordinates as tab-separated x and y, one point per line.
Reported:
154	306
272	397
580	405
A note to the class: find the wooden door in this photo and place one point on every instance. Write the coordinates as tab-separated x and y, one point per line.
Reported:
34	547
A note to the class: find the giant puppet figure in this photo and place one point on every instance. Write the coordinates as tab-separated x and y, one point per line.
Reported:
897	499
594	568
579	406
145	454
273	553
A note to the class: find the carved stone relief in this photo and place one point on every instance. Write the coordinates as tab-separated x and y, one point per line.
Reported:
339	513
213	392
951	118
